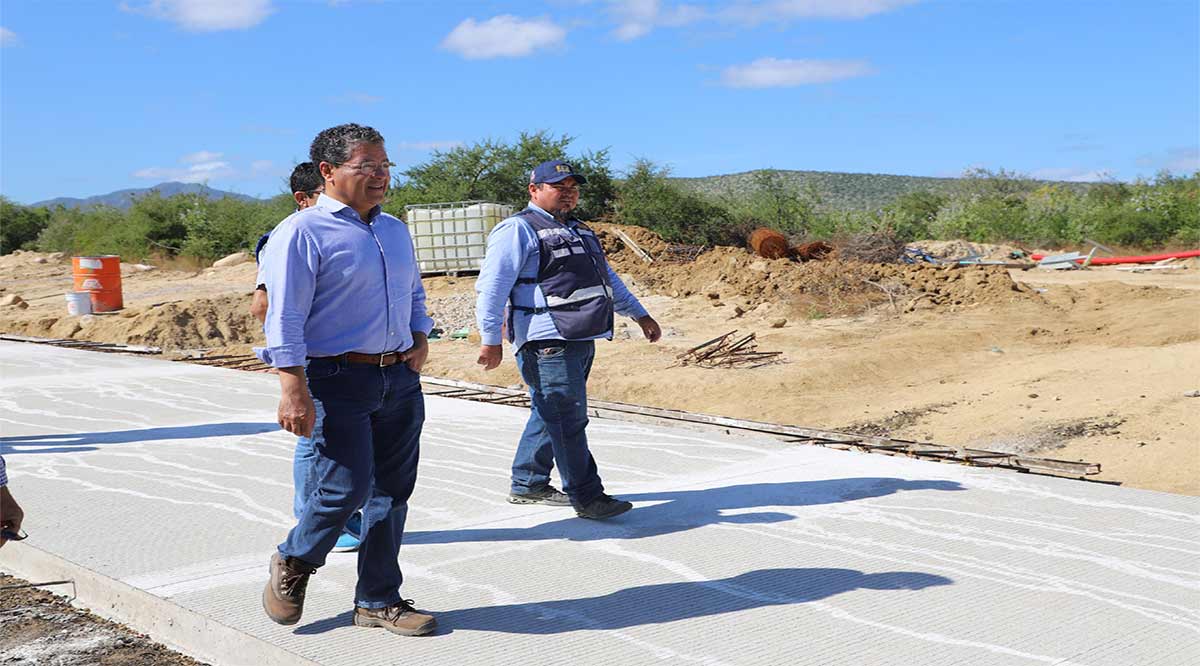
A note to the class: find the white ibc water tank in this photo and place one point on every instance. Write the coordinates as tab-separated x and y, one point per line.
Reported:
452	237
421	229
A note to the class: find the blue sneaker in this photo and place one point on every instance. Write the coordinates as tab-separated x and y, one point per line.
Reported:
349	540
346	543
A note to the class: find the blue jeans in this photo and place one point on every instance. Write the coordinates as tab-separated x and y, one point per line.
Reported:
367	448
556	372
304	468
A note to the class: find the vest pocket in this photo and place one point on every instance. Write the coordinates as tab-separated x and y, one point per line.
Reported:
584	319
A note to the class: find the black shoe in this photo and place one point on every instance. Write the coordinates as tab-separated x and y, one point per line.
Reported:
547	495
604	506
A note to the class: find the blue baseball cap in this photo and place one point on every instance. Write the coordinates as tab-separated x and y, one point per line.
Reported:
553	172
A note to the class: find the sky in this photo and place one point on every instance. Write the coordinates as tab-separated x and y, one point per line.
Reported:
100	95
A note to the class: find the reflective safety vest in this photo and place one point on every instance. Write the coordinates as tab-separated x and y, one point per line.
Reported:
572	278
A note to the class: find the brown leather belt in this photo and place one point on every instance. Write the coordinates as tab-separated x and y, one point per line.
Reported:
381	360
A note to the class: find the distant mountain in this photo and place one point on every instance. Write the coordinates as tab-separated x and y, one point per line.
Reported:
840	191
123	199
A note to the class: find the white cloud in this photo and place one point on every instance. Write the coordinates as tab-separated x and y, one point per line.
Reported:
1071	174
199	173
261	166
427	145
776	73
755	13
205	15
503	36
1183	160
202	166
8	37
200	156
636	18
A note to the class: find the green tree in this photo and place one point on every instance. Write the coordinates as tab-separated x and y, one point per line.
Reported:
775	202
20	225
647	198
911	215
494	170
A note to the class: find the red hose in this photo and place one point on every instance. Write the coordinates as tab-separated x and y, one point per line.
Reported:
1141	259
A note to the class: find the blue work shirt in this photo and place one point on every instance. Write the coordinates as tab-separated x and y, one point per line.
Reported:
512	253
339	284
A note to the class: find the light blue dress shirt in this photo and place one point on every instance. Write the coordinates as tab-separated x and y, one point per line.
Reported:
512	253
339	284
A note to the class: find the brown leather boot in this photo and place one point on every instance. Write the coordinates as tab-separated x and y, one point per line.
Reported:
283	598
400	619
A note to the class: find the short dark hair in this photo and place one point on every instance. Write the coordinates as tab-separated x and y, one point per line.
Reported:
306	177
335	144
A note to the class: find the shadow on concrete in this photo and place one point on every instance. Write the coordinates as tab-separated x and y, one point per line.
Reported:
87	441
676	511
665	602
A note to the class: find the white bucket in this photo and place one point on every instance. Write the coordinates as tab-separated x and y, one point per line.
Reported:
79	303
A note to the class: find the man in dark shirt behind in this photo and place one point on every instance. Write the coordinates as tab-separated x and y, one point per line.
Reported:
306	184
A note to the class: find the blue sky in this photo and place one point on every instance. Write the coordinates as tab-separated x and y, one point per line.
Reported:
100	95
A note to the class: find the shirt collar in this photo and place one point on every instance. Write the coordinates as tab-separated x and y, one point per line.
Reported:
328	203
570	221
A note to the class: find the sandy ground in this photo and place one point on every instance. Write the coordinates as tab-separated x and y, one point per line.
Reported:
1092	365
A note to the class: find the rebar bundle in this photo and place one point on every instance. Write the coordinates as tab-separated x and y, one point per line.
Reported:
727	352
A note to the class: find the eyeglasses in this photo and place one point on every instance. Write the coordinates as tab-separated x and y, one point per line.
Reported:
563	188
370	168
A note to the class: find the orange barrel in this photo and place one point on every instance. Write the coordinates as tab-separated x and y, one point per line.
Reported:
100	277
768	243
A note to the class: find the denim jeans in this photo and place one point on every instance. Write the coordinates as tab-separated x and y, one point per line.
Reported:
304	468
367	447
556	372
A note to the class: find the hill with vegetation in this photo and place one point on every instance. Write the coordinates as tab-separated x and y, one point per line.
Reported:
123	199
837	191
981	206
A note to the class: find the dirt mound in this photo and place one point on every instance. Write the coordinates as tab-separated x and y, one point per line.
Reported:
200	323
650	242
960	249
835	286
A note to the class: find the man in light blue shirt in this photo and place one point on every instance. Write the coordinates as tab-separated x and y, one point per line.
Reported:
550	271
346	327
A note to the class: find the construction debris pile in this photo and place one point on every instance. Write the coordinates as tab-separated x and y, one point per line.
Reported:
833	286
727	352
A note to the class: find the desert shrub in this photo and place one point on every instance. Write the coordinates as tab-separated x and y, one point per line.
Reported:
646	198
20	225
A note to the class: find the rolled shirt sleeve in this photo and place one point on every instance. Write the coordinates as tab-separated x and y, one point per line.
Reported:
295	260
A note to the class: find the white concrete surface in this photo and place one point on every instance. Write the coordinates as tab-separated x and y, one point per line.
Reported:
173	479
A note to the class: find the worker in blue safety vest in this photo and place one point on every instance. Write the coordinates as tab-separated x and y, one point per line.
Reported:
549	269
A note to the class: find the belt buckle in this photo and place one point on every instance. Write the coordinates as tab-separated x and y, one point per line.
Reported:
381	357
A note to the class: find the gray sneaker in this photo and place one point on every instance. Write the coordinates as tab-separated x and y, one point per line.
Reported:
603	507
545	495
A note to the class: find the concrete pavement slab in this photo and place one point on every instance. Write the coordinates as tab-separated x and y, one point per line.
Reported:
174	480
